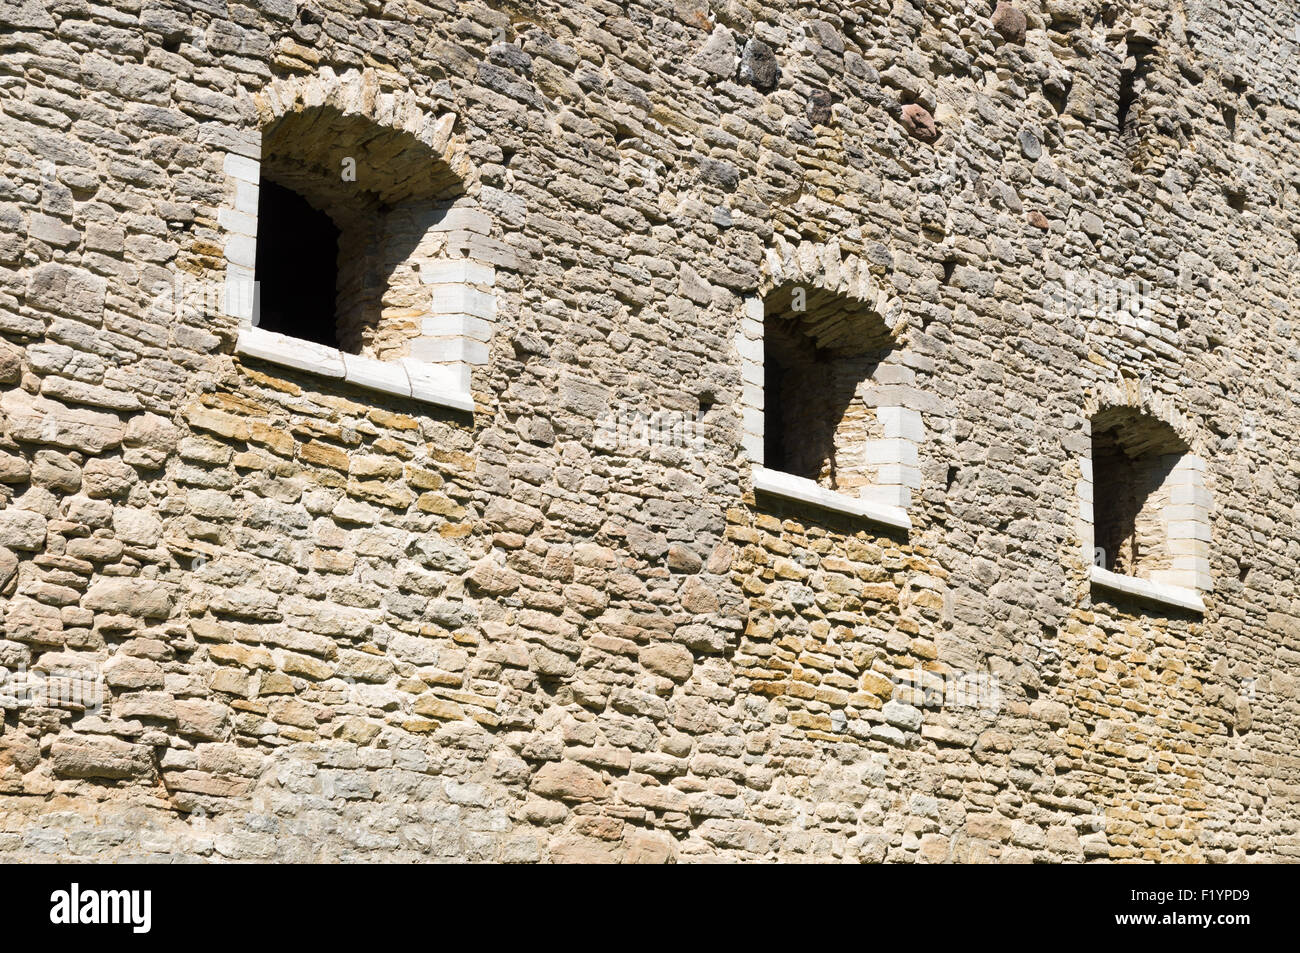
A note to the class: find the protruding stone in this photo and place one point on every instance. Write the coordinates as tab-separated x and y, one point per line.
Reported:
1030	146
8	566
492	578
903	716
138	597
55	471
100	757
818	107
1010	23
758	66
718	55
702	638
11	364
22	529
668	659
38	420
148	441
919	123
1065	13
568	781
683	559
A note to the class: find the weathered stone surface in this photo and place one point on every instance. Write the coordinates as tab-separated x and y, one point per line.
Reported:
819	107
490	582
1010	22
718	55
672	661
8	566
1030	145
22	529
14	469
11	364
138	597
55	471
919	123
38	420
492	578
758	65
568	781
98	756
148	441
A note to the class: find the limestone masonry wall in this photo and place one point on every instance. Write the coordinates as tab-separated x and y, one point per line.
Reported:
268	600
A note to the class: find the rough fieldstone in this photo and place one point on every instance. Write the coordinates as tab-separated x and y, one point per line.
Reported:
919	123
11	364
758	65
671	661
568	781
148	441
335	619
1030	146
97	756
818	107
718	55
138	597
8	566
1010	22
38	420
22	529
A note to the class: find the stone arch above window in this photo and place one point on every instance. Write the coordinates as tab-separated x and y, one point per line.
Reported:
824	265
830	410
368	171
1144	504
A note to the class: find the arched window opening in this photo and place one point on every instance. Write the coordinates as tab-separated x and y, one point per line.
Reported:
816	429
823	422
1146	509
356	248
1133	461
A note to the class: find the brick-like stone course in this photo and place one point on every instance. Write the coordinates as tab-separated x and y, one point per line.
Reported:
316	610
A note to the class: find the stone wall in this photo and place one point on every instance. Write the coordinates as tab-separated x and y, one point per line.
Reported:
257	609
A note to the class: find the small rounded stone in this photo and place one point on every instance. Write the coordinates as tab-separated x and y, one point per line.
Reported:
1010	23
919	123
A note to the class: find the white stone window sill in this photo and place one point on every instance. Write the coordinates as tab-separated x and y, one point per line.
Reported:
414	381
1179	596
803	490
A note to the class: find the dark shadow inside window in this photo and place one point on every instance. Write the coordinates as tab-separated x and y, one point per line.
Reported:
806	396
1117	501
1131	459
818	348
297	267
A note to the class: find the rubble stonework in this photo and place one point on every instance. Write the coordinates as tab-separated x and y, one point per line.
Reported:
430	595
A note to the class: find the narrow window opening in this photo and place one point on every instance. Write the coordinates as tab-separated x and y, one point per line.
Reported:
1127	95
818	350
296	267
1132	462
1132	85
